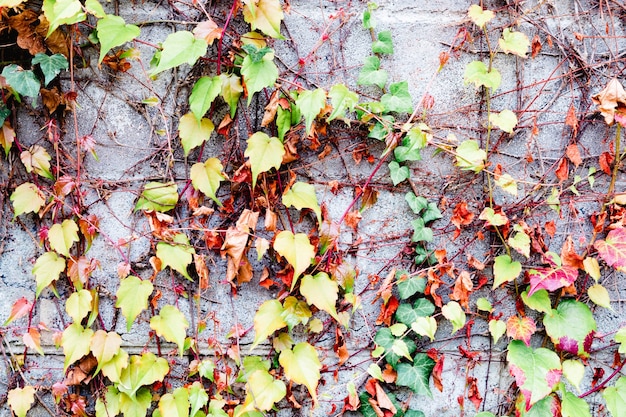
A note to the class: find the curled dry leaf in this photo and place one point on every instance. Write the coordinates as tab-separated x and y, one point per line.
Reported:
611	101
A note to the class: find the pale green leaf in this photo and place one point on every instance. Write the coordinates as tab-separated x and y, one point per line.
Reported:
76	341
470	157
321	291
342	99
572	406
192	132
295	312
425	326
95	8
398	99
371	74
51	65
109	405
132	298
574	371
538	301
484	305
599	295
398	173
268	319
506	120
62	12
497	328
112	32
264	153
375	371
180	47
302	366
455	314
136	405
207	177
231	91
412	143
63	236
27	198
204	91
615	398
47	269
507	183
264	15
476	72
104	346
258	75
142	370
264	391
113	369
384	44
520	241
297	249
310	103
158	196
21	400
175	404
171	325
512	42
302	195
479	16
505	270
178	255
78	305
198	397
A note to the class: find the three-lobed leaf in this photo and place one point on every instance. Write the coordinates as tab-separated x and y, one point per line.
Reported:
398	99
78	305
469	156
51	65
47	269
342	99
513	42
171	325
76	342
258	75
264	15
477	73
175	404
20	400
416	375
104	346
612	249
27	198
371	74
142	370
264	153
178	254
321	291
264	391
63	236
193	132
302	195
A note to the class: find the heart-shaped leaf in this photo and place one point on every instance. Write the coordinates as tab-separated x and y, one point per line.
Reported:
171	325
298	251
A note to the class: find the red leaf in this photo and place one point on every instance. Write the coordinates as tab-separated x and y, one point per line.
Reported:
550	228
551	279
20	308
520	328
605	160
472	392
571	120
569	257
535	46
612	250
461	216
562	171
387	310
573	153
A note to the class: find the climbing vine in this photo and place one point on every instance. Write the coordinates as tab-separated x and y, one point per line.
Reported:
536	302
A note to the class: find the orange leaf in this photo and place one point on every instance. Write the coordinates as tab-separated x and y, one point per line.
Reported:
520	328
571	119
20	308
569	257
606	160
463	287
387	311
610	100
562	171
573	153
535	46
207	30
383	400
461	216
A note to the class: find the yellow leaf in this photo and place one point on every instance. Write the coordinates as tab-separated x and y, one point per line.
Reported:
21	399
298	251
193	133
302	366
266	16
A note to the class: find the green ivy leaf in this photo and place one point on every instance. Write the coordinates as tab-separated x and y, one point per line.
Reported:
51	65
538	301
506	120
76	342
207	177
302	195
47	269
177	255
431	213
198	398
258	75
137	405
421	233
342	99
194	133
175	404
398	99
21	400
158	196
78	305
132	298
505	270
454	313
536	371
571	327
302	366
321	291
572	406
425	326
264	153
112	32
298	251
416	376
409	286
469	156
412	143
179	48
476	72
310	103
24	82
63	236
204	91
384	44
386	340
264	15
62	12
408	314
615	398
513	42
171	325
142	370
27	198
371	74
417	204
268	319
398	173
231	91
104	346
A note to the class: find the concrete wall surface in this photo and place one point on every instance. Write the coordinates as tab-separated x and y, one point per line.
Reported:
577	48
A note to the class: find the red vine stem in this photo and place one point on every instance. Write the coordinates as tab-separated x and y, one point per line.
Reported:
602	384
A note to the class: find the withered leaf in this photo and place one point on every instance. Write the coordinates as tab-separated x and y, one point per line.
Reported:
611	100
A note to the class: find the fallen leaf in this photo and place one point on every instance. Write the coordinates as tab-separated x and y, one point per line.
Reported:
550	228
610	100
463	287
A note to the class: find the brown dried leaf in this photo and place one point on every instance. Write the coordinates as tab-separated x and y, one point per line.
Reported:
473	393
340	347
207	30
7	136
25	25
535	46
291	150
353	218
475	263
247	221
461	216
389	374
271	108
463	287
573	153
571	119
610	100
202	270
569	257
562	171
606	160
327	150
159	224
383	400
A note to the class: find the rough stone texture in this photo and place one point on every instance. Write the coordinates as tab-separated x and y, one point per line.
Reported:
131	152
